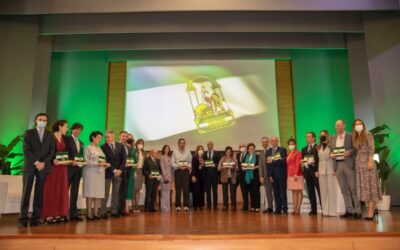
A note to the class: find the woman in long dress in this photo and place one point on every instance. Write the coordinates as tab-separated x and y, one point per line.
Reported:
367	179
94	176
138	176
55	194
130	196
166	181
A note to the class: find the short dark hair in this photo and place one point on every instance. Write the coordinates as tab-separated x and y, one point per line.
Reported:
77	125
181	139
312	133
56	126
251	144
41	114
291	139
94	134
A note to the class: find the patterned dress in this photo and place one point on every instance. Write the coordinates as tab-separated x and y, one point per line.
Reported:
367	180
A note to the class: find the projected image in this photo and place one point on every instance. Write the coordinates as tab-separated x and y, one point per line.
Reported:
211	111
224	101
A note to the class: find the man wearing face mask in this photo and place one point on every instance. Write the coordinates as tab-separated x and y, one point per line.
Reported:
212	175
344	166
310	153
241	176
263	174
39	148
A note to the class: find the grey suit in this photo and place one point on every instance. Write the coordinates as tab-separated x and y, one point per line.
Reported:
345	174
267	183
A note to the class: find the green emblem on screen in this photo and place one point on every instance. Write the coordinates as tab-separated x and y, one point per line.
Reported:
210	109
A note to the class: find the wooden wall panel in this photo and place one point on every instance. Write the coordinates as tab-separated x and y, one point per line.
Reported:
116	96
284	92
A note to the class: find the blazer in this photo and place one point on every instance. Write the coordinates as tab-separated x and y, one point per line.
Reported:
263	163
348	146
196	171
239	161
215	158
71	146
325	165
34	150
314	152
148	166
277	169
294	164
117	160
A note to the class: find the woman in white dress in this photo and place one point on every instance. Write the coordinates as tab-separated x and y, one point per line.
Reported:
139	178
327	179
93	176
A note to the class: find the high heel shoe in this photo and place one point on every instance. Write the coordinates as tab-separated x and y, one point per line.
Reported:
374	216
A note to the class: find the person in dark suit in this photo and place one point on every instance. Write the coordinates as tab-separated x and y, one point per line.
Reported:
39	148
197	176
212	175
75	148
126	173
241	176
277	172
310	171
152	173
115	155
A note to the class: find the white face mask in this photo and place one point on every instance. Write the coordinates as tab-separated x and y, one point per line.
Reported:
200	152
140	146
291	147
41	124
242	149
359	128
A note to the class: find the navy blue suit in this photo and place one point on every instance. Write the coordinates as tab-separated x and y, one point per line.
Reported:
278	171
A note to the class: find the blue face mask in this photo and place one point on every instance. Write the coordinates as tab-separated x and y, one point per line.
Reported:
41	125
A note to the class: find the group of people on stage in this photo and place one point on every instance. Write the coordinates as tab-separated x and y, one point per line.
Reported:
56	163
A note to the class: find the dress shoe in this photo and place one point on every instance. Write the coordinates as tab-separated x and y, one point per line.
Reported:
245	209
268	211
104	216
96	217
116	215
22	223
89	218
35	223
285	212
357	216
346	215
77	218
277	212
312	213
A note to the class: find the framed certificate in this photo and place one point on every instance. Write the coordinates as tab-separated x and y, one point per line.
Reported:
209	164
338	151
80	160
276	157
62	158
248	166
230	164
155	175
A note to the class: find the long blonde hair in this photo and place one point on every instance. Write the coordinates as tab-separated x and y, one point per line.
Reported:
359	139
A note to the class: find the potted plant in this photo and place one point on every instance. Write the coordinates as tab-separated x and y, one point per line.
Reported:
6	154
382	153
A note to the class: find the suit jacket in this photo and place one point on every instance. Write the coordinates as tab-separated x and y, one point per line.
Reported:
314	152
239	161
71	146
34	150
263	164
117	159
196	171
215	158
148	166
348	146
277	169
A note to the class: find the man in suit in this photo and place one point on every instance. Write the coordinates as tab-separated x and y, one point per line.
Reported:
277	172
115	155
75	148
126	172
39	148
212	175
263	174
241	176
344	167
311	171
151	165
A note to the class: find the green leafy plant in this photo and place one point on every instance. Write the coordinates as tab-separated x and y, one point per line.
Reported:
6	155
381	133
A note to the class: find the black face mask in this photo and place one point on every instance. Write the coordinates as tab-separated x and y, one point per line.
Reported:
322	139
129	141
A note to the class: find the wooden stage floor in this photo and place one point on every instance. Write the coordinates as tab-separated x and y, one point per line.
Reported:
196	227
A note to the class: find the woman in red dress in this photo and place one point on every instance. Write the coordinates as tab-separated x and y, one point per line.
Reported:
55	196
295	181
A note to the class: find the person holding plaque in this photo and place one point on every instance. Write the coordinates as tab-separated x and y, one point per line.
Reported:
264	180
55	195
126	173
327	176
94	175
277	172
197	183
252	177
228	166
75	153
182	164
367	179
131	160
310	162
152	173
241	176
295	179
138	175
211	159
166	180
344	166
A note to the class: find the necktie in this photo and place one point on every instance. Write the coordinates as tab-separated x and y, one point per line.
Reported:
309	148
76	144
113	148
